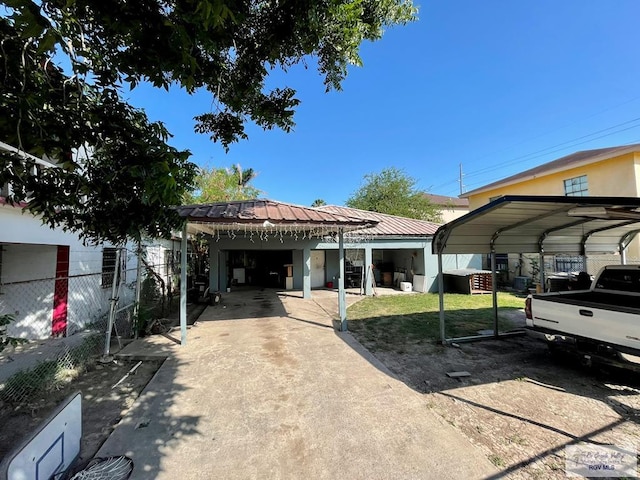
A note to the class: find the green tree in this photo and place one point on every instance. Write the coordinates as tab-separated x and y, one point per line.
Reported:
318	202
228	49
223	185
393	192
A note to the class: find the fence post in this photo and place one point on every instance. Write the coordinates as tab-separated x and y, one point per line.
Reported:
136	308
114	302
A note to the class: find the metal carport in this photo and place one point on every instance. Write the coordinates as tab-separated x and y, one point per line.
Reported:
538	224
264	217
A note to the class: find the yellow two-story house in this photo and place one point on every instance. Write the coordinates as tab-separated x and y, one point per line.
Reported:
608	172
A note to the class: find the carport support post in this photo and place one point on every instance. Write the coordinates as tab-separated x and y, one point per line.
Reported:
183	286
368	271
494	294
623	255
441	298
342	297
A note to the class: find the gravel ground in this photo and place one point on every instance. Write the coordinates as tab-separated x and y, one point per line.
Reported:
521	405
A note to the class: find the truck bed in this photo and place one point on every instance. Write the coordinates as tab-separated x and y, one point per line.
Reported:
594	299
604	317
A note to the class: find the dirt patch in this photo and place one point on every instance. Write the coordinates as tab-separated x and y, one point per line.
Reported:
102	405
520	404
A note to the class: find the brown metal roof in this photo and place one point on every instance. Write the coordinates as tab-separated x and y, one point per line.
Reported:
570	161
257	212
444	201
387	224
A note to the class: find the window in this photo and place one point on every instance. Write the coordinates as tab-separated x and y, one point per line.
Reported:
567	263
108	266
502	262
620	279
576	187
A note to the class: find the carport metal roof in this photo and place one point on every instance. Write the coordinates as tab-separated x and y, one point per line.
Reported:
543	224
537	224
260	214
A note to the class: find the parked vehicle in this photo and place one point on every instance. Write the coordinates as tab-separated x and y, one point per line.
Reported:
600	323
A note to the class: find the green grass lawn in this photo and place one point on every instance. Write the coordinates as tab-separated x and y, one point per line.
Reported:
392	322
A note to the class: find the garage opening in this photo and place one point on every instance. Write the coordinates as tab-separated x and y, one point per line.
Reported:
259	268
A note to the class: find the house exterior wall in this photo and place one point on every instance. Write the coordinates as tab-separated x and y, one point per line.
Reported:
28	277
451	213
411	254
616	177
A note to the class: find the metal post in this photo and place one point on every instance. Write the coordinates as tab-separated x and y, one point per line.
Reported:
494	294
542	270
368	271
342	297
113	303
136	308
623	255
441	298
183	286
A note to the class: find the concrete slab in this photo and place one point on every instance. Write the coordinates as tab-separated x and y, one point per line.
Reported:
265	388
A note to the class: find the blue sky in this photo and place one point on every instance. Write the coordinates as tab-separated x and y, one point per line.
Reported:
495	85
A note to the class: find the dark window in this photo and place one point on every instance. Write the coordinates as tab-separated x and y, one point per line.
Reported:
108	266
620	279
502	262
576	187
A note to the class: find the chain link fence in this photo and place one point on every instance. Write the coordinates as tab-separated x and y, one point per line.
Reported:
60	311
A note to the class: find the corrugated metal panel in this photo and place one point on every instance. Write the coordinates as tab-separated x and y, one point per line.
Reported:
388	224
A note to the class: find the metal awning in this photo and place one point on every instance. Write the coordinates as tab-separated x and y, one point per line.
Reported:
263	215
537	224
549	224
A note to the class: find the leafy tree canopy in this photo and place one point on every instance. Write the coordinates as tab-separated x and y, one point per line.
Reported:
223	185
228	48
318	202
122	188
393	192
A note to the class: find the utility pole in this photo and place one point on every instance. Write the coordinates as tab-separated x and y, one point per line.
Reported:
460	181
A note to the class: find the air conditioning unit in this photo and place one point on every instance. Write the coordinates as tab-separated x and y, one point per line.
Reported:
521	283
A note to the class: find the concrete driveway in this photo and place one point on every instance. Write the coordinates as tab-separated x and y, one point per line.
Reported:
266	388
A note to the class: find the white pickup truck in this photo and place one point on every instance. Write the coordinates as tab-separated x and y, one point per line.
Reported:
601	322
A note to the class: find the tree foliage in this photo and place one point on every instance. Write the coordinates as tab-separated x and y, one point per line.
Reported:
123	187
392	191
318	202
114	175
222	185
228	48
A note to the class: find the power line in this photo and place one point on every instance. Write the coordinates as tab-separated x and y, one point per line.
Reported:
548	150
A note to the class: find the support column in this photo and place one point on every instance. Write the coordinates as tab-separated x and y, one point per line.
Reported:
368	273
136	308
306	273
441	298
494	293
214	267
183	286
342	297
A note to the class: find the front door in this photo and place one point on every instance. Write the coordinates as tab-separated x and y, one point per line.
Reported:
317	268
